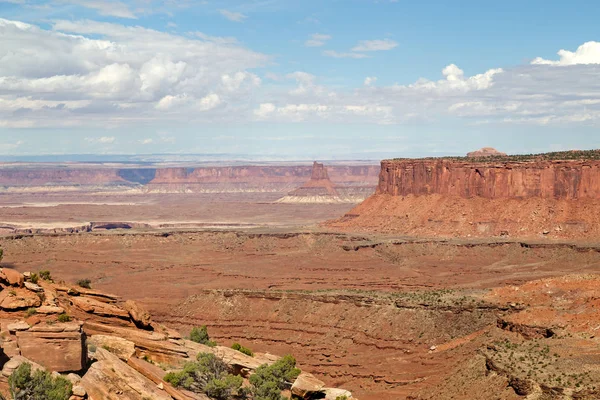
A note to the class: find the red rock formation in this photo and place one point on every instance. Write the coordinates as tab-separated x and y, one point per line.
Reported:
486	152
55	176
496	180
459	198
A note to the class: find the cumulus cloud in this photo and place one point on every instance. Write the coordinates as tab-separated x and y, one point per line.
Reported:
82	72
317	40
88	73
113	8
233	16
101	140
587	53
335	54
375	45
370	80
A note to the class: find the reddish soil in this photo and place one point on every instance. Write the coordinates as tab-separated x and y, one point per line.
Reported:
326	298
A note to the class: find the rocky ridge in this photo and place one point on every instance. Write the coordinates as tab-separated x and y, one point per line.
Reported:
108	349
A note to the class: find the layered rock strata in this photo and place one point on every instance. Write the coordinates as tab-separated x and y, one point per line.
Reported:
458	197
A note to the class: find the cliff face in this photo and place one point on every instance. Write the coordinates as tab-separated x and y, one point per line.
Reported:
479	198
53	176
498	180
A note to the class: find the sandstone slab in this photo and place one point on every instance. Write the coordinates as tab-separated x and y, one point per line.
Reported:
138	314
56	351
14	278
93	306
18	299
122	348
306	385
111	379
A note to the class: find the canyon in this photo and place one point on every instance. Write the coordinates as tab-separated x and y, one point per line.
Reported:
457	278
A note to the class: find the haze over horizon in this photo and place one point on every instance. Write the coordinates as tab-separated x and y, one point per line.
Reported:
275	79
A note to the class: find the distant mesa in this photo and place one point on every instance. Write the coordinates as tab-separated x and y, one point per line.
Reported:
320	189
486	152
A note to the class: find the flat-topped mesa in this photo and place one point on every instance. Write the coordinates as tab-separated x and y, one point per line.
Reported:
558	179
486	152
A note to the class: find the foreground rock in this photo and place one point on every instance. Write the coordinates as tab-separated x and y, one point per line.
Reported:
111	379
60	347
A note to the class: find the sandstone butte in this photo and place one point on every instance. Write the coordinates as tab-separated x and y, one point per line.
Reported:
555	195
486	152
110	349
320	189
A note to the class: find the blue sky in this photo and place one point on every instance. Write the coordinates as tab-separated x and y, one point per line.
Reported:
298	79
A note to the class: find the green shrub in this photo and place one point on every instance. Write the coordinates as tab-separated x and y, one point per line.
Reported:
30	312
200	335
208	375
64	317
269	380
40	385
85	283
45	275
344	397
34	278
242	349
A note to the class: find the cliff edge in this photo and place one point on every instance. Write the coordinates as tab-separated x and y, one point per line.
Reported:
550	195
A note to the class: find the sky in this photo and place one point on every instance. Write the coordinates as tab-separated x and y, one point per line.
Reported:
298	79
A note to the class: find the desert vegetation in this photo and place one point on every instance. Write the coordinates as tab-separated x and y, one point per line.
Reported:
27	385
211	376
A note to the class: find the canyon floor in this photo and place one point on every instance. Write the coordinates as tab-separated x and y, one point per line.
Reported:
386	317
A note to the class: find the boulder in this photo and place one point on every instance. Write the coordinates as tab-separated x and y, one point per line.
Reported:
139	315
10	348
111	379
333	394
79	391
122	348
55	349
14	363
18	299
307	385
93	306
33	287
50	310
18	326
12	277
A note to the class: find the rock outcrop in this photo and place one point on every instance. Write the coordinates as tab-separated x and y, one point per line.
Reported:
107	348
561	180
554	195
486	152
320	189
59	347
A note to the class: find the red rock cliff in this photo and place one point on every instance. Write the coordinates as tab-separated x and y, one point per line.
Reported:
493	180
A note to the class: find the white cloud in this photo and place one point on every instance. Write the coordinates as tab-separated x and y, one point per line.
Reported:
317	40
375	45
587	53
335	54
101	140
85	73
370	80
147	141
233	16
113	8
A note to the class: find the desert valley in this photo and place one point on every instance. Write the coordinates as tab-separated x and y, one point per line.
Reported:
446	278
